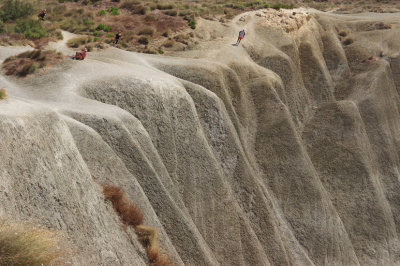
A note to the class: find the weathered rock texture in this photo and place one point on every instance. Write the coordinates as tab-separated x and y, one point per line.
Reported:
282	151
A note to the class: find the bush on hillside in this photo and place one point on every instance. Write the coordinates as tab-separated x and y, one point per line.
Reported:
192	24
28	62
23	244
114	11
147	31
172	12
130	214
76	42
156	258
103	27
12	10
31	29
144	40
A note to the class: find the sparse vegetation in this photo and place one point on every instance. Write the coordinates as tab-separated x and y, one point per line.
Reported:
147	31
24	244
144	40
3	94
77	42
192	24
31	29
28	62
12	10
348	41
114	11
156	258
131	216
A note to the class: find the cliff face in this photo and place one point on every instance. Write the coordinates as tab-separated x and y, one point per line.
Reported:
282	151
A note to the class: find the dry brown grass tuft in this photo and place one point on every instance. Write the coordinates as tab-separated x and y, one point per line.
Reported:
156	258
24	244
348	41
129	214
132	216
77	42
3	94
28	62
147	236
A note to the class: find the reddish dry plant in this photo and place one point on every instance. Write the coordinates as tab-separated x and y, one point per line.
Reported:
129	214
156	258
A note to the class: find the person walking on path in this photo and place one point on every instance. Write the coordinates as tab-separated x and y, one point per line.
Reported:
242	33
117	37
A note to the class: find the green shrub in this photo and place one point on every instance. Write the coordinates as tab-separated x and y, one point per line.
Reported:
32	29
114	11
110	35
103	27
101	13
192	24
15	9
147	31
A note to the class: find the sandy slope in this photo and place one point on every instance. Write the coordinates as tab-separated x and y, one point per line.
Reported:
282	151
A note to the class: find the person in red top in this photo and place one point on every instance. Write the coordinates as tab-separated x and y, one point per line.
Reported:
80	55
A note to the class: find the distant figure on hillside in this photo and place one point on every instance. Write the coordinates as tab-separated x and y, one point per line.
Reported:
117	37
42	14
80	55
242	33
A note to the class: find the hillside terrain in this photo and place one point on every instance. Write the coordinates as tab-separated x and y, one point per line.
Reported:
283	150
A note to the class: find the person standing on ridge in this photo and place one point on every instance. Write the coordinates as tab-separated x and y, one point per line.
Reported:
42	14
242	33
117	37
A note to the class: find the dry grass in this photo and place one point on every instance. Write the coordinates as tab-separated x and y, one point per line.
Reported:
77	42
147	236
156	258
24	244
129	214
132	216
348	41
3	94
28	62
